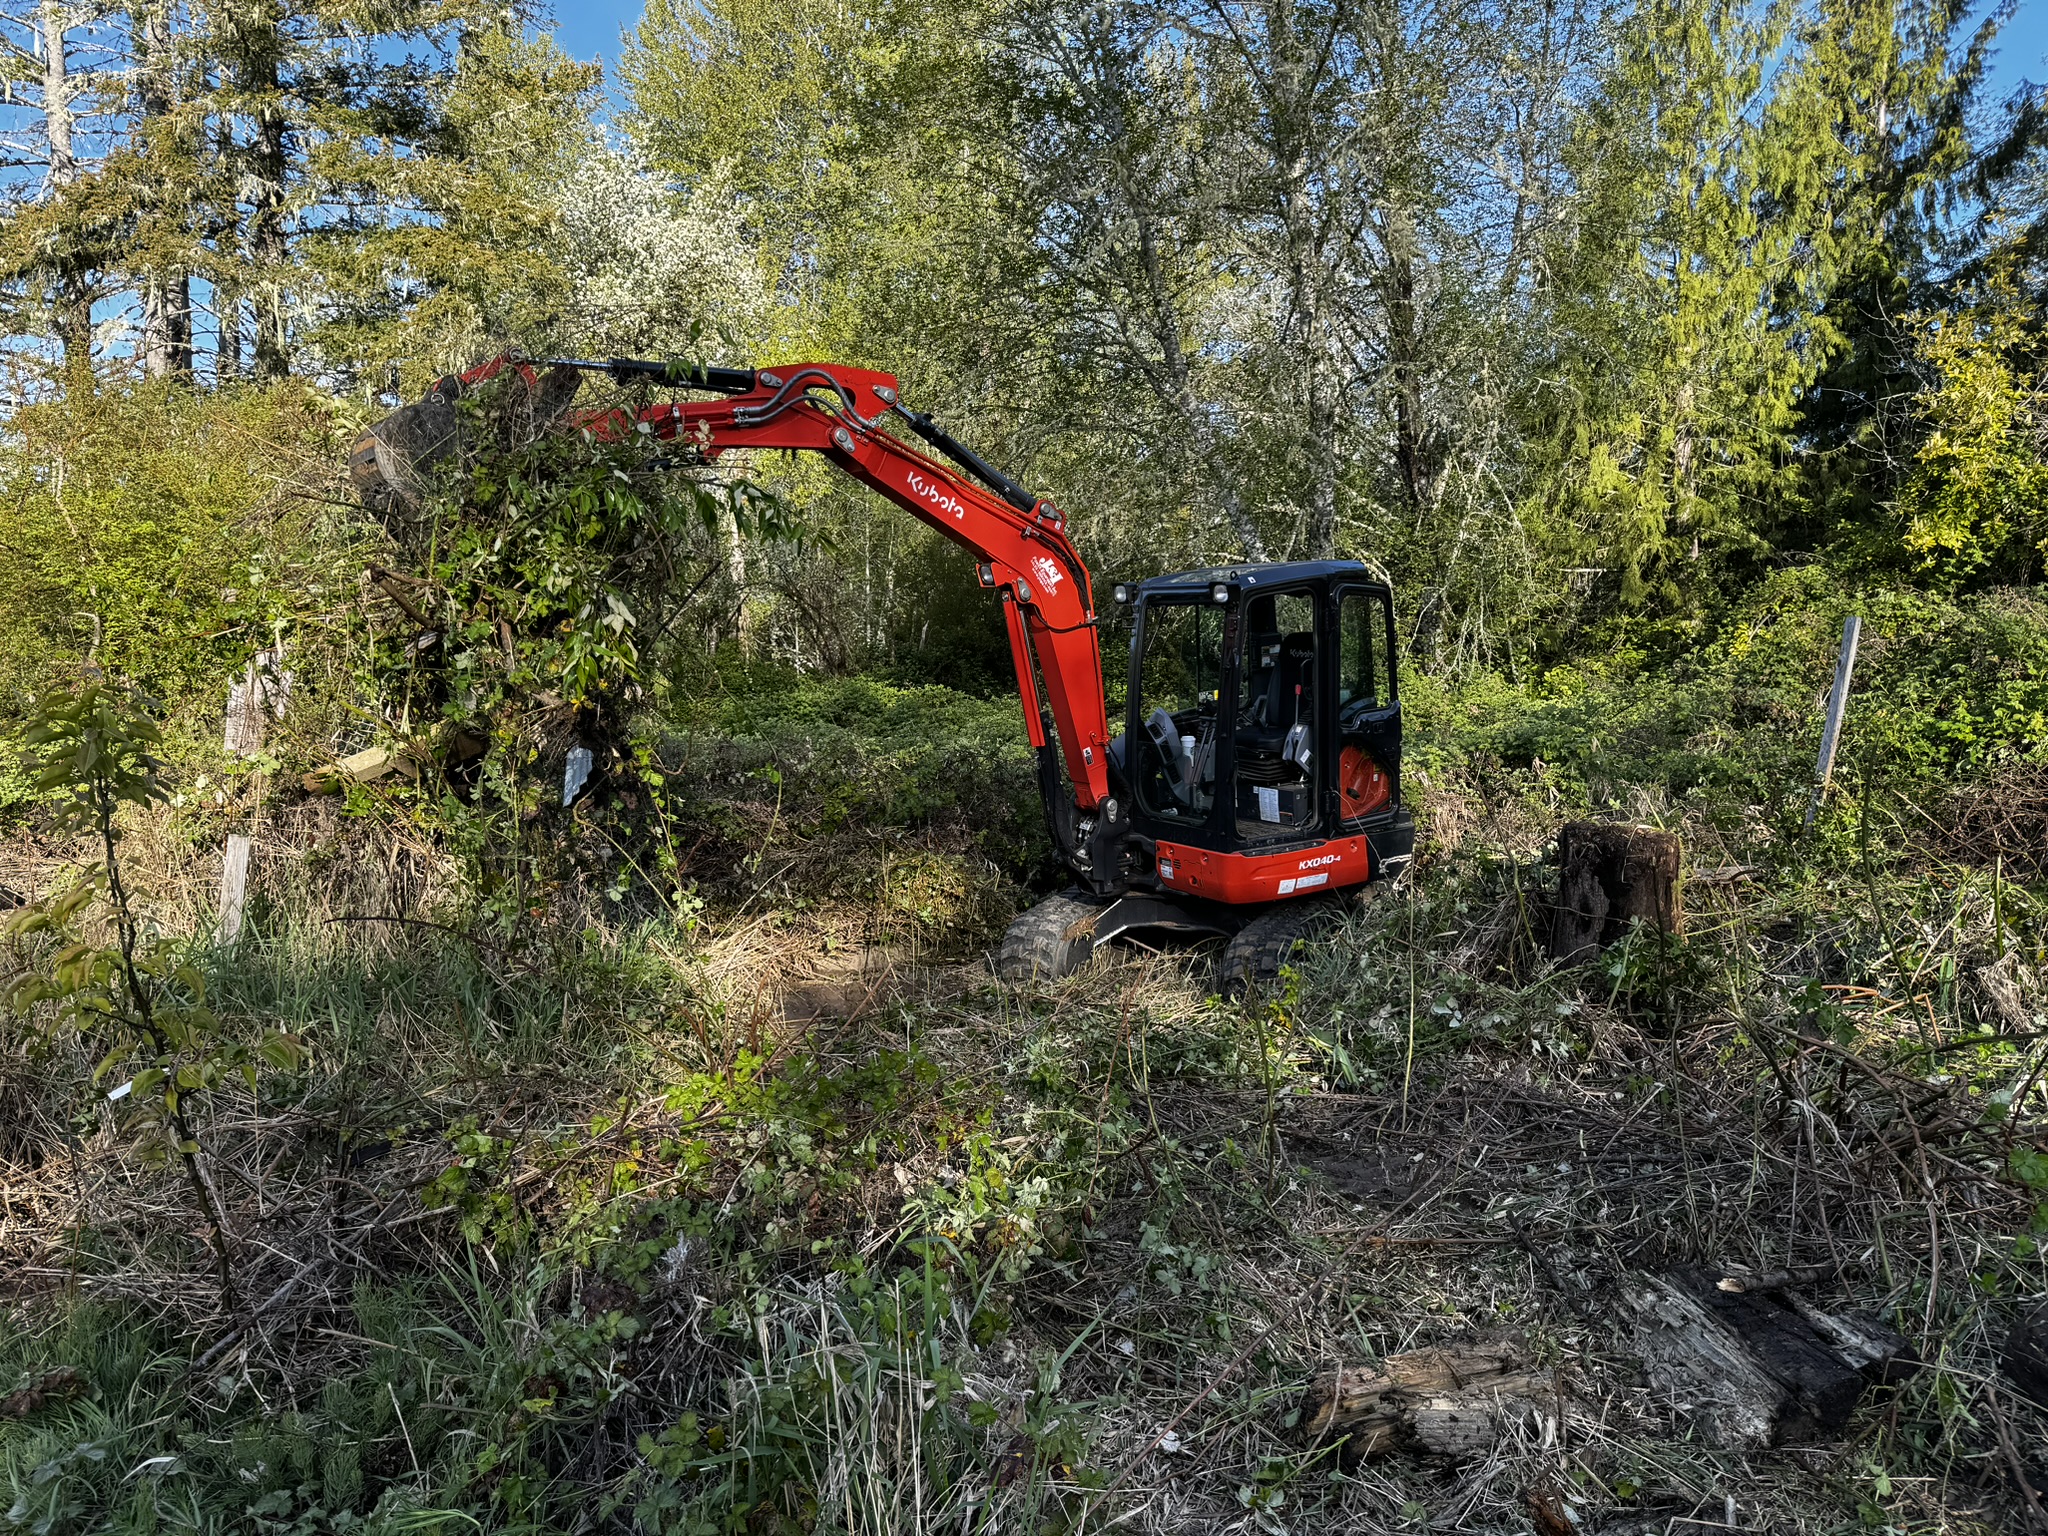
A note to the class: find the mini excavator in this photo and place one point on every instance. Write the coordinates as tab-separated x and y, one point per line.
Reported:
1256	780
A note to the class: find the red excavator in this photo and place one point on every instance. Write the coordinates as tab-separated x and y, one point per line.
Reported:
1257	776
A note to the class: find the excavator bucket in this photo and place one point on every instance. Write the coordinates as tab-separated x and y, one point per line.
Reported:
393	461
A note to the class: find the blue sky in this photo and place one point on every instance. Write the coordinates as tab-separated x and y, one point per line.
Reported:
2021	47
590	29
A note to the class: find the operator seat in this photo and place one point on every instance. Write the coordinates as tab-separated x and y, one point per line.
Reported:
1281	694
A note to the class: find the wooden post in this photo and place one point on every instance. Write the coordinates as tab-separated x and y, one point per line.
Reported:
252	703
234	885
1838	701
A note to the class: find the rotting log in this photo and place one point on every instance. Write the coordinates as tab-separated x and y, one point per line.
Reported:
1454	1400
1609	875
364	767
1755	1363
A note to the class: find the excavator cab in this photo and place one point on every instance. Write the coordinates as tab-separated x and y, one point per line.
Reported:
1261	761
1264	730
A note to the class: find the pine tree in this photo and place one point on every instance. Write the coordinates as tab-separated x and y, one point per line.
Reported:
1878	115
1686	317
365	155
63	61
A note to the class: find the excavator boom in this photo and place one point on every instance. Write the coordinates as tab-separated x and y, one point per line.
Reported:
1020	543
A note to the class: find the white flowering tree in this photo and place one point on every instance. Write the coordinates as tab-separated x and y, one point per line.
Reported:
657	270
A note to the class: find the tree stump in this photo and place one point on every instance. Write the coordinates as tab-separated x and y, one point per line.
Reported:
1610	875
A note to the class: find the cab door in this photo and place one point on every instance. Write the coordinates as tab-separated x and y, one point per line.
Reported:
1368	706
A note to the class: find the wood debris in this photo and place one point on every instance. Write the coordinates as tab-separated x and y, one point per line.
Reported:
1754	1362
1453	1400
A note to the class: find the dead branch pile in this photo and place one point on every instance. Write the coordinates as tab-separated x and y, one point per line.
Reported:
2001	822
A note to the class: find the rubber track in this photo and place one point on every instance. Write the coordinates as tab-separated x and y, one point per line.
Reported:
1255	954
1037	946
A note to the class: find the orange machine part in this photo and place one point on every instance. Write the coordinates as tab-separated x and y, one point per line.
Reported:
1364	787
1254	877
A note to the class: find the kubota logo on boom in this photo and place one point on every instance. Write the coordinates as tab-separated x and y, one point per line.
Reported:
937	497
1047	573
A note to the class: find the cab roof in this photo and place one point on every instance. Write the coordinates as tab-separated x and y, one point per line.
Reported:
1263	574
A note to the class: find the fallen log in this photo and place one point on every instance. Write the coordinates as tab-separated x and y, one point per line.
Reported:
1754	1362
1454	1400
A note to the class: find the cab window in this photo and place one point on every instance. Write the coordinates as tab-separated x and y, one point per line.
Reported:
1276	718
1180	669
1358	619
1368	729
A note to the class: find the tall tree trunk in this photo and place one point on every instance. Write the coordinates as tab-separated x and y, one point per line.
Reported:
167	325
735	571
166	290
227	293
72	302
270	246
267	161
1293	109
1175	383
1415	447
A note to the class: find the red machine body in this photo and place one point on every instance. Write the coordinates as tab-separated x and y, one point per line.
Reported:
1165	823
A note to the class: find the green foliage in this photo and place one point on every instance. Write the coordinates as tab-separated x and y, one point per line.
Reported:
137	1005
478	255
1976	506
851	1410
1738	176
839	754
1945	688
554	558
145	534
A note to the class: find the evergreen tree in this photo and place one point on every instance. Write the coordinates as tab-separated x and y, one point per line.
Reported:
366	153
63	62
1878	112
1736	177
339	187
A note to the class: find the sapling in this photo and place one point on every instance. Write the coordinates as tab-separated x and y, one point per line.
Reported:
136	1004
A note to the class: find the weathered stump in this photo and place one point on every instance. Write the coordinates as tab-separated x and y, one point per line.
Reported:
1610	875
2025	1355
1451	1401
1754	1361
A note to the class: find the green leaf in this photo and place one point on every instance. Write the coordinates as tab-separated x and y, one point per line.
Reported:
2029	1167
282	1051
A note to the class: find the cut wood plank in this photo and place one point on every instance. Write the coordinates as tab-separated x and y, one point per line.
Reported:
1453	1400
364	767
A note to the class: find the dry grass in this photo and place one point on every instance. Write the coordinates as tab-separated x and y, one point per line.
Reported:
1433	1136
